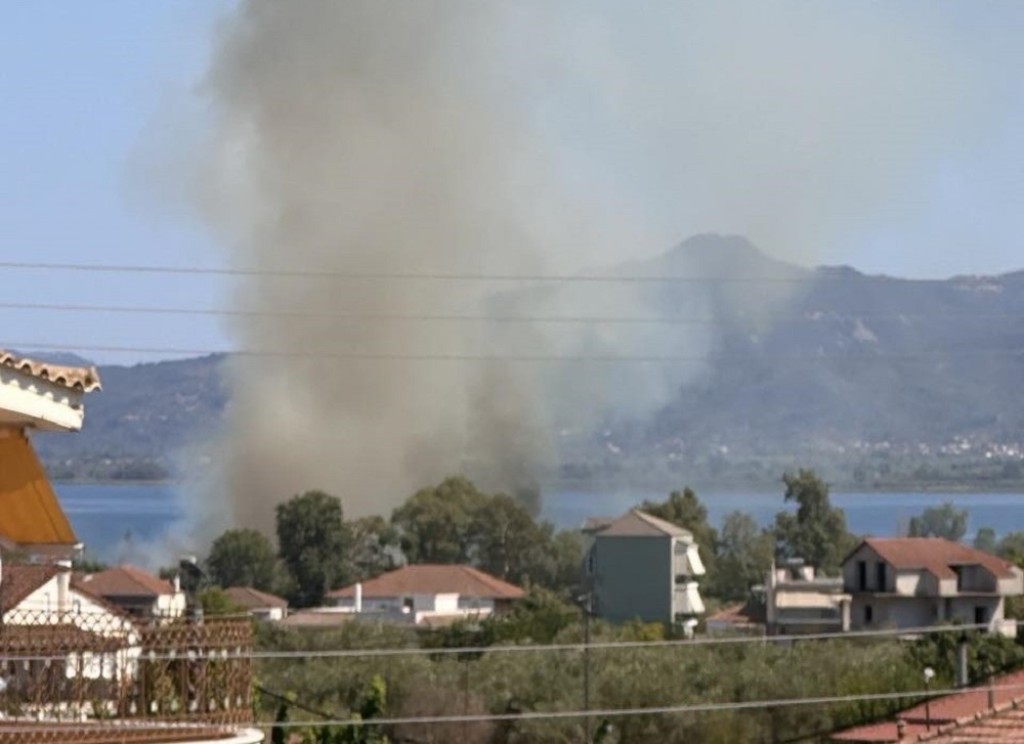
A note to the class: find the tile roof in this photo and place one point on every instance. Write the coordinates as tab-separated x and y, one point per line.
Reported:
636	523
317	619
124	581
936	556
949	712
29	511
251	599
434	579
19	581
85	379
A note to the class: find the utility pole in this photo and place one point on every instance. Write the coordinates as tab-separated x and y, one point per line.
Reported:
586	602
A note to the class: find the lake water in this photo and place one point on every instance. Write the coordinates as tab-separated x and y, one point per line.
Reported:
107	518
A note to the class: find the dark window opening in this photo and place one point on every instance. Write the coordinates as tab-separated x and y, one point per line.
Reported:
869	614
959	571
862	575
880	576
980	615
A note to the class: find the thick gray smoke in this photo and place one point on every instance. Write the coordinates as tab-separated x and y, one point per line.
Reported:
474	137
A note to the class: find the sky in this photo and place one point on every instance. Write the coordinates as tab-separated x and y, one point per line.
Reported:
889	137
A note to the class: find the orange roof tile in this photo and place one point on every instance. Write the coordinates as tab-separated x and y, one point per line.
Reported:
434	579
29	511
19	581
946	712
85	379
935	555
124	581
251	599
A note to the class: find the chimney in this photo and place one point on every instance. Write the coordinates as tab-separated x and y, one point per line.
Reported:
64	586
359	597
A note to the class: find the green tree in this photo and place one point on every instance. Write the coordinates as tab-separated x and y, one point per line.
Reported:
817	531
940	521
214	601
374	547
985	540
557	564
314	543
436	523
744	556
684	509
243	557
1011	547
506	540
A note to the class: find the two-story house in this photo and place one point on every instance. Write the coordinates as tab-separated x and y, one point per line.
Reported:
914	582
797	600
136	592
426	594
641	567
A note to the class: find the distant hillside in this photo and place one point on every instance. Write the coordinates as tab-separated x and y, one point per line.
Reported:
146	417
876	380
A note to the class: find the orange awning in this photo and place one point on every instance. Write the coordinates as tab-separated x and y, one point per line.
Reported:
29	511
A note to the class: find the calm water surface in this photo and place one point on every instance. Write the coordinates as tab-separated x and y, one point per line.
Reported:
109	517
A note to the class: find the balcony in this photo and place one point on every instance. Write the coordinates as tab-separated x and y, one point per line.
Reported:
687	600
76	678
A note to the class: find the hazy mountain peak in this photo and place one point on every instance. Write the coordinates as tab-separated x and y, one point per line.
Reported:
714	255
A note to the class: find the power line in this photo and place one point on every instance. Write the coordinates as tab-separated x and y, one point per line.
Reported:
740	705
349	653
476	318
455	276
532	358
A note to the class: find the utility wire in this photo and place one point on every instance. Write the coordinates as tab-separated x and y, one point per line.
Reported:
349	653
742	705
459	357
799	276
478	318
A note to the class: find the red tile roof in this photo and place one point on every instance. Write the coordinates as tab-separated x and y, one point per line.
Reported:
85	379
252	599
434	579
942	712
17	582
935	555
124	581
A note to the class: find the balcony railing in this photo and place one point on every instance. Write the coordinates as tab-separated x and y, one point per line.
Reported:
77	671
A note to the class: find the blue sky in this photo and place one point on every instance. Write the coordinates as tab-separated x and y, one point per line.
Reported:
96	95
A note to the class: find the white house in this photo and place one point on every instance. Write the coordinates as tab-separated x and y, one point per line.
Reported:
913	582
426	594
797	601
262	605
137	592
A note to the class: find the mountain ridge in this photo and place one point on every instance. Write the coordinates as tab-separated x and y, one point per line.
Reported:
872	374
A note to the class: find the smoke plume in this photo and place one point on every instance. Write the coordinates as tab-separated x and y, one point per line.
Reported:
469	137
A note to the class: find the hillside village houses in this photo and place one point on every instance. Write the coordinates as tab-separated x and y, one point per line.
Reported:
102	649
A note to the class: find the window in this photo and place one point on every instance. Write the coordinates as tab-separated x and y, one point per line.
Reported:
880	576
862	575
959	571
980	615
869	614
